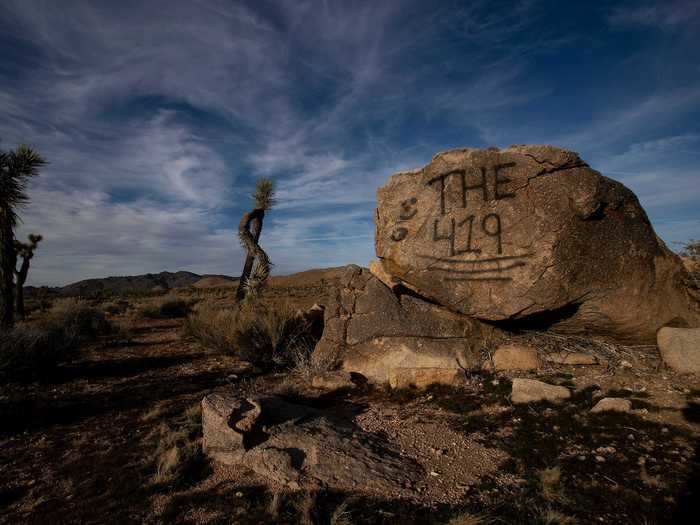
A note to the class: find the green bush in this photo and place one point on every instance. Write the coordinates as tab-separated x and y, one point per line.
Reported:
259	334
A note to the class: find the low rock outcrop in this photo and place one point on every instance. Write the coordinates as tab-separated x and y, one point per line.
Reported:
371	329
301	447
530	235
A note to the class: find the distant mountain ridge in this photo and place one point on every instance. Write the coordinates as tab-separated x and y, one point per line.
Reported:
169	280
133	283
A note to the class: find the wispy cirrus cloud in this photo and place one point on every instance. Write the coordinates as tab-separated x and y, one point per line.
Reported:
156	117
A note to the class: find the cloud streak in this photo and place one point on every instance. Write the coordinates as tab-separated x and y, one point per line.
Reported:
156	117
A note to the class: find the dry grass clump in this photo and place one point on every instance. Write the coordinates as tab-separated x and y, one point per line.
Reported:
469	519
79	319
179	456
116	307
32	350
257	333
306	364
166	307
604	351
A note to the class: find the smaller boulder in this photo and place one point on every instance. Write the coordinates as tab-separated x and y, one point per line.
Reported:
336	380
423	377
680	349
514	357
612	404
533	391
571	358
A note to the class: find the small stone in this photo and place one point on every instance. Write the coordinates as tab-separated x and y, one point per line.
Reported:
239	494
434	474
533	391
600	459
612	404
625	364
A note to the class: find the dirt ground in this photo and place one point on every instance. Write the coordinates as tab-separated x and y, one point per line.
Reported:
81	448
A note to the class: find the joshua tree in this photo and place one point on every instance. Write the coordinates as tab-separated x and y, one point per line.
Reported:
26	252
257	264
16	167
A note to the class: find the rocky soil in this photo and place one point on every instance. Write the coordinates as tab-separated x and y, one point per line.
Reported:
82	447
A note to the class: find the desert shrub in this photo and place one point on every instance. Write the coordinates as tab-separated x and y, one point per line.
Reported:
116	307
78	319
166	307
32	350
179	456
257	333
306	364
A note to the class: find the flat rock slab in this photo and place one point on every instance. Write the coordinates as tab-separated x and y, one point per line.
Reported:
680	349
529	231
299	446
533	391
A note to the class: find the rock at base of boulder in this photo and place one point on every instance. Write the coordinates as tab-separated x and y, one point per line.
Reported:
422	377
336	380
376	358
514	357
370	328
680	349
612	404
533	391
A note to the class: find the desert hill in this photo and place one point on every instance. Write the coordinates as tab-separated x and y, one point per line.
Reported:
182	279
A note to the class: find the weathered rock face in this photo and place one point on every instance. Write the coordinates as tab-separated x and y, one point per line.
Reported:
302	447
371	330
529	233
680	349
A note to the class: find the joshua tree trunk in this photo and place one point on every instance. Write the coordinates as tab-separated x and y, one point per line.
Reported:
21	279
254	220
8	260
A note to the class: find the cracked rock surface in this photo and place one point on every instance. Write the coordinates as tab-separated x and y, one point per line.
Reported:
374	330
530	233
299	446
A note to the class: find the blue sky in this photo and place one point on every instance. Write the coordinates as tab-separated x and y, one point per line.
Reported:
157	116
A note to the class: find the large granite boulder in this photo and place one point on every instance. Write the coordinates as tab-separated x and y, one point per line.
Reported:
371	329
530	233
